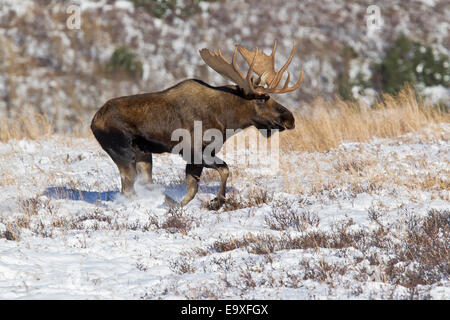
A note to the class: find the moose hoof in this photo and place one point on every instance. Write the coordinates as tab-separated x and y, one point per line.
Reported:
129	194
215	204
171	202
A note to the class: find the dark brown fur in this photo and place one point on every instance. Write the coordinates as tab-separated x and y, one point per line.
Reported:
131	128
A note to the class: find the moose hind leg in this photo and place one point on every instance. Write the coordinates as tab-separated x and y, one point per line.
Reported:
118	145
222	168
193	173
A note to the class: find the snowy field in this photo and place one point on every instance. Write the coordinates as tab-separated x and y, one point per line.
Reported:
361	221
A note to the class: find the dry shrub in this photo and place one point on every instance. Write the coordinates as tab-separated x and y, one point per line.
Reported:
32	211
94	220
266	243
177	221
411	253
182	264
11	233
327	124
284	216
31	206
425	240
253	198
339	237
423	257
321	271
224	245
353	166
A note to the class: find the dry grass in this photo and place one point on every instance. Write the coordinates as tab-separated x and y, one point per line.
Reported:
322	126
255	197
328	124
34	127
183	264
284	216
42	217
177	221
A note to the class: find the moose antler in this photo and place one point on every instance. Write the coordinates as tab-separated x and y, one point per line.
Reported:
229	70
263	65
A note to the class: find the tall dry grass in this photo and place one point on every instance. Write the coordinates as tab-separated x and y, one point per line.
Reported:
328	124
323	126
34	126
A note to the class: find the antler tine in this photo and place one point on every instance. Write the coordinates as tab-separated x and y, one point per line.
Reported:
249	73
274	48
286	88
235	67
259	63
228	70
286	83
276	81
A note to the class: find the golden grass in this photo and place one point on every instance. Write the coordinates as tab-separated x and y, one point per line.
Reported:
34	127
324	125
328	124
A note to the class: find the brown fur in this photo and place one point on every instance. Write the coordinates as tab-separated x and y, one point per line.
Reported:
131	128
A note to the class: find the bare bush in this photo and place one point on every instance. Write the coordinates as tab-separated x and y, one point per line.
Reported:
182	264
283	217
177	221
414	259
253	198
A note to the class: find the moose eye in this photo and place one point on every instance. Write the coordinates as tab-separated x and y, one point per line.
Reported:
261	101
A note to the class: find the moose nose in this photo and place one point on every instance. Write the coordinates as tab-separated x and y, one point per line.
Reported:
289	124
288	121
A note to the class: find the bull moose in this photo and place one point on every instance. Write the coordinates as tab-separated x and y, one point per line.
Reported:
131	128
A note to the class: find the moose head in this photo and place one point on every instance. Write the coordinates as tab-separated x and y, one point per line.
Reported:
269	114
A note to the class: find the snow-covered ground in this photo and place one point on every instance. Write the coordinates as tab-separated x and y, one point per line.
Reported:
347	223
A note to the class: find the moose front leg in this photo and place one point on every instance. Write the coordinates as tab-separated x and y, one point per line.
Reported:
222	169
144	164
193	173
127	177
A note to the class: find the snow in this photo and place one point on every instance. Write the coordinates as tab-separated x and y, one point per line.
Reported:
66	232
125	5
430	3
437	94
116	248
